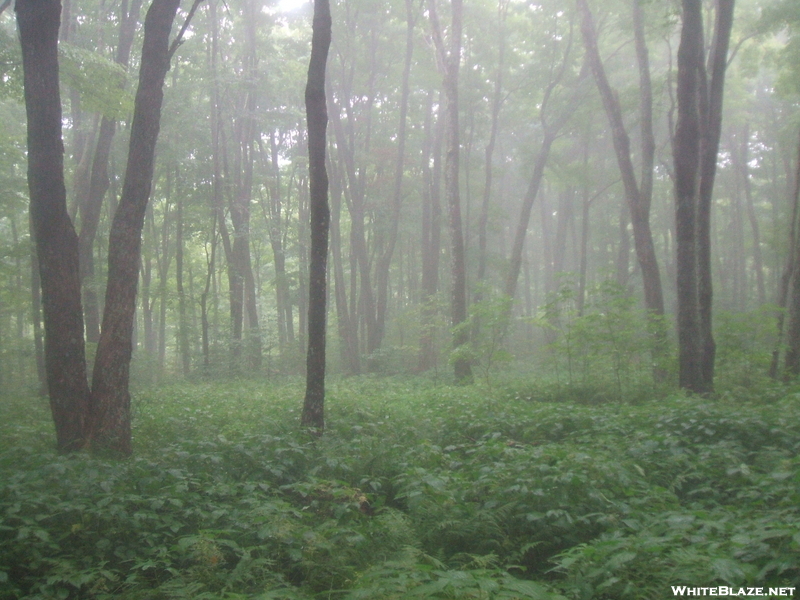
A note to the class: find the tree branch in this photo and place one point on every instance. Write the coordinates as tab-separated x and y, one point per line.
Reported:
179	38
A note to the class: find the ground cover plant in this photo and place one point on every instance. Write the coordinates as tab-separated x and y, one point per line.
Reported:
414	491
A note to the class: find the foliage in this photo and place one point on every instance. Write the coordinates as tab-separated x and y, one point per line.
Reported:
415	491
607	337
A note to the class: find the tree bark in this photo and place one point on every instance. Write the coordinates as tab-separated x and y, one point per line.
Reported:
317	118
686	149
695	148
54	234
111	427
711	112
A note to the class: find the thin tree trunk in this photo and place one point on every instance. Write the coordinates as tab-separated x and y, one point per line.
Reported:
431	235
450	61
183	326
497	103
54	235
385	261
99	182
317	117
790	279
638	194
758	261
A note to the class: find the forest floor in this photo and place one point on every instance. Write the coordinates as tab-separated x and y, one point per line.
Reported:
416	490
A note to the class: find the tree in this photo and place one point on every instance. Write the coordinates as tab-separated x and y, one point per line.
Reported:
638	194
449	61
317	117
695	148
55	237
111	419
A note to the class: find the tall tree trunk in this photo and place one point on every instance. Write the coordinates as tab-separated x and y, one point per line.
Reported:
204	324
317	117
111	426
696	146
385	261
450	61
758	261
497	103
99	182
54	235
790	279
711	111
36	314
275	225
245	300
686	150
638	194
183	325
431	235
348	333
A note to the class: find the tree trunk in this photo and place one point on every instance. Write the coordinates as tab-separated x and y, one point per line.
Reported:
790	278
431	235
317	117
639	197
385	261
54	235
36	314
450	61
183	325
497	102
348	334
758	261
99	182
111	427
711	113
686	150
695	148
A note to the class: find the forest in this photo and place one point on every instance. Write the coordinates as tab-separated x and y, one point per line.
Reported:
352	299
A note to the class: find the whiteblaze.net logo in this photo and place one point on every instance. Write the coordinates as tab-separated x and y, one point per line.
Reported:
725	591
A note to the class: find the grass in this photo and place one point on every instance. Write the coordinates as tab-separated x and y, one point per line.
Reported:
415	491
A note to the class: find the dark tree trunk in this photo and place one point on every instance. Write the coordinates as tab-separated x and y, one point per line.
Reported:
54	235
686	149
695	147
790	279
711	112
111	429
317	117
36	315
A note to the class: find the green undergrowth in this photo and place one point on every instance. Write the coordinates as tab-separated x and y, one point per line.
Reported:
414	491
